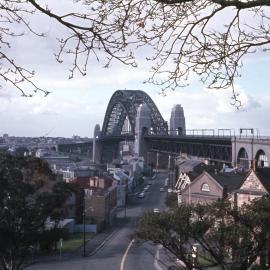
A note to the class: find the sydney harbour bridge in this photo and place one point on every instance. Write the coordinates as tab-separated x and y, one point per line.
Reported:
133	117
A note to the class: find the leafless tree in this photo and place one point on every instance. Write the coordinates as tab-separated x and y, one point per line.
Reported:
90	33
204	38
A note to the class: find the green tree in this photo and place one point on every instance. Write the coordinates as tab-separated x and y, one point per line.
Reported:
29	195
208	38
21	151
171	200
230	238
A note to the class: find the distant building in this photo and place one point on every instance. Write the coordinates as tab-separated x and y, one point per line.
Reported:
42	152
6	138
124	184
76	137
70	174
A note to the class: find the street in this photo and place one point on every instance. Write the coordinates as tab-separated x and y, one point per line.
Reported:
119	252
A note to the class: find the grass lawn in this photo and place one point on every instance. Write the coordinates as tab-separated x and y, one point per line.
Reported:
74	242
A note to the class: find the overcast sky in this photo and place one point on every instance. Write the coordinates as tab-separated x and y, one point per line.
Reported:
75	106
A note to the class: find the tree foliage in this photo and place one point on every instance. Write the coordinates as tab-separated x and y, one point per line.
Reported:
29	195
227	237
208	38
171	200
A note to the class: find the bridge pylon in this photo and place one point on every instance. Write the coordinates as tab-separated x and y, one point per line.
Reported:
96	145
142	126
177	121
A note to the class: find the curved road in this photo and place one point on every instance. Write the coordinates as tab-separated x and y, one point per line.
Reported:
118	253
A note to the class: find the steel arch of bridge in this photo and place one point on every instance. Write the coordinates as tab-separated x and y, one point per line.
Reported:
124	104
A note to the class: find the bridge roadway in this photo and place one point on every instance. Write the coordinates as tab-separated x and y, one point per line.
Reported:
111	255
214	148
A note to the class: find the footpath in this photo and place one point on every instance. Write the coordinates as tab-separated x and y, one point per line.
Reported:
92	246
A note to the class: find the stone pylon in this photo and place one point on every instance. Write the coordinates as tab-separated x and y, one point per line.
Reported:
96	145
177	121
142	126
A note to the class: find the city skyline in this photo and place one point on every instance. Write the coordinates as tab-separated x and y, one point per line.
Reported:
76	105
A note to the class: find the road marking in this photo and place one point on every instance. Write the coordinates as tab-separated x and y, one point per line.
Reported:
125	255
157	266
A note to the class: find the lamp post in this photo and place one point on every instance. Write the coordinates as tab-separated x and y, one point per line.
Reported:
84	251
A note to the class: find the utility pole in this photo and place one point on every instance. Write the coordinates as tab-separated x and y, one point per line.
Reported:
84	251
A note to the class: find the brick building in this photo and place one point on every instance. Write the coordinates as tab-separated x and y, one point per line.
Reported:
241	187
100	201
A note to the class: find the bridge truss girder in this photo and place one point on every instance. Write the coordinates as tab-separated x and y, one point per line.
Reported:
124	104
211	151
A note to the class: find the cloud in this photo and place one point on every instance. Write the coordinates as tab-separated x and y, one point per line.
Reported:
212	109
225	100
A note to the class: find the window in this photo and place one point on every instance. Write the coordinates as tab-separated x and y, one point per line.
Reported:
205	187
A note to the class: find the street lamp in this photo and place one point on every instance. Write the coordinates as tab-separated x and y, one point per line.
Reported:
84	252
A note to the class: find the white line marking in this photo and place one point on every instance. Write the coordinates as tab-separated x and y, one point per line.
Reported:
125	255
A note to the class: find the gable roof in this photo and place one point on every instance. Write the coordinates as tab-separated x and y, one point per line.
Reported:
193	175
264	176
199	177
230	180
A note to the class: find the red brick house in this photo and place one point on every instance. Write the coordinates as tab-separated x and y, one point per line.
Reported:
241	187
209	186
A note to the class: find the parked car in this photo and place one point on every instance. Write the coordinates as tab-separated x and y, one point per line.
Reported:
156	210
141	195
161	189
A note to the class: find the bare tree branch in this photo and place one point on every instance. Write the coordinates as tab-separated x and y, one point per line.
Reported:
205	39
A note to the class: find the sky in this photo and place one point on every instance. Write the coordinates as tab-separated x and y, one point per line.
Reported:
75	106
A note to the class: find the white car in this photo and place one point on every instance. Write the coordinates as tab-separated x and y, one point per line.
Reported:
161	189
156	210
141	195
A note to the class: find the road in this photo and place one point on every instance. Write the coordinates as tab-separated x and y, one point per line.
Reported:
119	252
